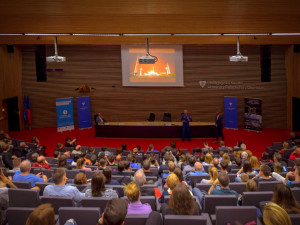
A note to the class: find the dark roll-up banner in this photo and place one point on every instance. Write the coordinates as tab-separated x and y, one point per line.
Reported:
253	114
84	112
231	112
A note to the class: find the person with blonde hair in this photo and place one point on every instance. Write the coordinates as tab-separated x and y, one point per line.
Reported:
285	146
251	186
171	182
226	158
132	192
43	214
254	162
213	173
208	159
244	178
275	215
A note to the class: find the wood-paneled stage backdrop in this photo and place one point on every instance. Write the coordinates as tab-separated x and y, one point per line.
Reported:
100	67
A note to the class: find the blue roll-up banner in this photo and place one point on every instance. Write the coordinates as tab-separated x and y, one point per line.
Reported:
84	112
64	114
231	112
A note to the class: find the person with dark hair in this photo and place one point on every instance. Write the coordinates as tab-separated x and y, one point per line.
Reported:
81	162
284	197
70	143
224	166
171	168
83	155
124	147
56	155
62	162
181	202
247	169
111	160
238	146
80	179
264	174
125	179
146	168
102	164
238	162
60	147
114	212
7	157
179	174
94	160
107	173
278	158
132	161
186	119
43	214
191	160
219	126
172	146
164	166
98	188
105	151
59	188
265	160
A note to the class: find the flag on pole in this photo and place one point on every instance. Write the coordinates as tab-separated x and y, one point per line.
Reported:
25	110
29	111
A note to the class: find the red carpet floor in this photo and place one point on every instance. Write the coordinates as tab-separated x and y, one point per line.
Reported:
255	141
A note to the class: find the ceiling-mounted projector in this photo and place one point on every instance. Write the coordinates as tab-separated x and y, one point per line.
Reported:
238	57
56	57
148	59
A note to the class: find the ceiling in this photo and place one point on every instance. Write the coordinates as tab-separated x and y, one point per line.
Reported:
151	16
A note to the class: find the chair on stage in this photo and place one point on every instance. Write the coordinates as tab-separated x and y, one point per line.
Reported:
167	117
151	117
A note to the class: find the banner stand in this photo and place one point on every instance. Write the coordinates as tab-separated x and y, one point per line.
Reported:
84	112
64	114
253	114
231	112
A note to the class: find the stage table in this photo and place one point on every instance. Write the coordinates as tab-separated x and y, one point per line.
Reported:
153	130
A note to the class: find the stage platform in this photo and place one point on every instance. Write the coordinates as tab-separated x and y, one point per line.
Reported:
153	130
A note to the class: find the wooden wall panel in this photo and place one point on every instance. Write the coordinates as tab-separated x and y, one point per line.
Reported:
100	67
10	82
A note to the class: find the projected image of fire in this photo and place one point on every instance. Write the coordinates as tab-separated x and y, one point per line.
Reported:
158	71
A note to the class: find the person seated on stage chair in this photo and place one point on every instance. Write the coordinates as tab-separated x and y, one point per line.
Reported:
100	119
70	143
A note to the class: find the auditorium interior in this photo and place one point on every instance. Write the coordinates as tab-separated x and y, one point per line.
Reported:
101	42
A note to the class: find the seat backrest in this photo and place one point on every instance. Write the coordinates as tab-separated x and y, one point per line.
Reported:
287	153
22	184
23	198
136	219
86	216
58	202
183	219
71	173
95	202
204	187
197	179
232	214
295	218
118	188
18	215
42	186
267	185
80	187
211	201
295	184
238	187
232	177
254	198
154	178
296	193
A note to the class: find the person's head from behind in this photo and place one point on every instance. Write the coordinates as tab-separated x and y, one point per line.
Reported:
277	157
171	166
244	177
285	145
251	186
172	180
226	157
202	158
107	173
16	162
43	214
132	192
173	144
146	165
102	164
62	161
56	154
179	174
59	145
25	166
115	212
278	167
167	158
209	158
59	176
223	179
93	159
221	154
80	178
181	201
223	165
198	166
139	177
238	161
151	147
254	162
81	163
244	155
124	146
265	156
97	184
91	150
247	168
215	162
152	160
265	170
121	166
34	157
273	214
284	197
213	173
111	158
222	143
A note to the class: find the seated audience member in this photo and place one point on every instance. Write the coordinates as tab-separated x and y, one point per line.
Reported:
25	175
198	170
181	202
102	164
151	149
224	166
180	153
251	186
34	157
16	164
104	150
179	174
284	197
205	148
80	179
60	147
264	174
222	147
70	143
43	214
62	162
136	152
172	147
140	179
101	155
247	169
238	162
278	167
226	158
124	147
111	160
68	155
244	178
230	151
91	151
191	160
213	173
125	179
244	156
254	162
278	158
215	163
196	151
55	158
208	160
22	150
285	146
266	160
132	161
108	180
295	154
171	167
294	136
41	163
81	164
287	180
221	155
114	212
59	188
181	163
127	167
275	215
238	146
94	160
98	188
172	157
153	162
164	165
7	157
135	206
83	155
146	168
77	150
118	159
172	180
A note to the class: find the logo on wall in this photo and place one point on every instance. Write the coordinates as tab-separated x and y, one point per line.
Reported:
85	89
65	112
202	83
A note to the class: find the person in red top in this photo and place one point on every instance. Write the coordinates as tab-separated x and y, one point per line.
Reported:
41	163
295	154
